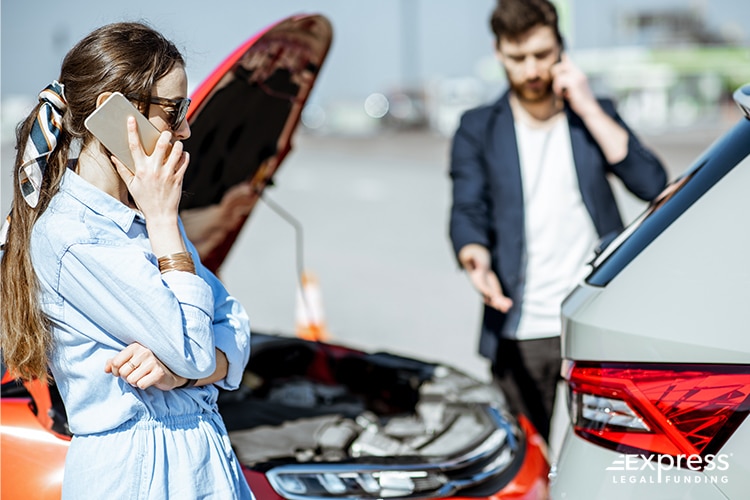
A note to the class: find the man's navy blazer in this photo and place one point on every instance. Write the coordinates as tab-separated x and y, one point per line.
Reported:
488	197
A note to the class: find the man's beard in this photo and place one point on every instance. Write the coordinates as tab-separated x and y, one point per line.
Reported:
539	92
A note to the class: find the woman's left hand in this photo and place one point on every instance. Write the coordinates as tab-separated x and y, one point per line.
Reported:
138	366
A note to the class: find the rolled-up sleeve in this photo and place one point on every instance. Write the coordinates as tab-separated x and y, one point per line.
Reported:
232	337
120	290
231	327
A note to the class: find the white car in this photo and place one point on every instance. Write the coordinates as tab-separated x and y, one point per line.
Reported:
656	344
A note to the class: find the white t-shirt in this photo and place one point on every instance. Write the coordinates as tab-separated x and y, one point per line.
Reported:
560	234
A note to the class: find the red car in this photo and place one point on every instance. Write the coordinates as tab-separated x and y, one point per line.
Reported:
312	420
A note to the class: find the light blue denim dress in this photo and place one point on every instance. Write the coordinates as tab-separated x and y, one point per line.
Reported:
102	289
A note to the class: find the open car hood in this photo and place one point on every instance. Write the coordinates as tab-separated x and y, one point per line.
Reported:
242	121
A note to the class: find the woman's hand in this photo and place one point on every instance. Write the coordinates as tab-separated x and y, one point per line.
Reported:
156	187
139	367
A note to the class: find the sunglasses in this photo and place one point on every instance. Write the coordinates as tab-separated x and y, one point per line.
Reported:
177	113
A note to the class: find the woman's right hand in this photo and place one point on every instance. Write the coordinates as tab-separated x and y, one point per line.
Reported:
156	187
139	367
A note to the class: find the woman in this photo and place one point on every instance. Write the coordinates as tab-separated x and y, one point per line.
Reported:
101	286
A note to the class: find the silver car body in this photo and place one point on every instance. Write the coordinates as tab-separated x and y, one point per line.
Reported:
672	292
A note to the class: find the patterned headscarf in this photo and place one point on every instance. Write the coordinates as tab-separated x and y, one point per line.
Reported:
42	141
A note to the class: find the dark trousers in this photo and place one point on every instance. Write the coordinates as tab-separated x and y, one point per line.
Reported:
527	371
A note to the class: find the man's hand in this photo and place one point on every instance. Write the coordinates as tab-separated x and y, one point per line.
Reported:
570	82
475	259
139	367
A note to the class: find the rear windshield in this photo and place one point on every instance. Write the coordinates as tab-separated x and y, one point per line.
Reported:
724	155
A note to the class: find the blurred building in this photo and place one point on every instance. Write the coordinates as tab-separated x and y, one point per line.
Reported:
670	69
667	66
406	64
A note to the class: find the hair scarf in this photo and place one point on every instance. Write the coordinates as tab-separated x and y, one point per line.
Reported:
41	143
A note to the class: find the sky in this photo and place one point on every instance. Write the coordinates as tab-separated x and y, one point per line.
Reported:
364	56
446	38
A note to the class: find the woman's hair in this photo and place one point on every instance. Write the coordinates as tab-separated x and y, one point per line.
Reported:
121	57
513	18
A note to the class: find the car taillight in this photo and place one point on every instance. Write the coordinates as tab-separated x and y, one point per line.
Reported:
681	411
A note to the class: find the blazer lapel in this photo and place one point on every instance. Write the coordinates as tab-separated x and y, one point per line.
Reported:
584	160
504	171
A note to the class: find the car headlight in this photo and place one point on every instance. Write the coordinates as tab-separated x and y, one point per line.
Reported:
295	483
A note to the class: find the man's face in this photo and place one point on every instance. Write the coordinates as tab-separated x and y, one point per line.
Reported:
527	61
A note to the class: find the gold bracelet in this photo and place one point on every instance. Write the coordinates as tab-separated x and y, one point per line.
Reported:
180	261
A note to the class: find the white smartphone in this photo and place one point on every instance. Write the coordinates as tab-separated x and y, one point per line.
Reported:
109	124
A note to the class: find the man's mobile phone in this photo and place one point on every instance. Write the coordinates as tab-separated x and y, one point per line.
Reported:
109	124
564	90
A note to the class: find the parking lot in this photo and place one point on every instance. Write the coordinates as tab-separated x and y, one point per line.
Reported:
374	212
374	217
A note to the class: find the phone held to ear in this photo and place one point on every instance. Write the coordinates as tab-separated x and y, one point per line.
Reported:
560	100
109	124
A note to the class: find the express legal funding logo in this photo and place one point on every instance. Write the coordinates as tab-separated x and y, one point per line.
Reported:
669	469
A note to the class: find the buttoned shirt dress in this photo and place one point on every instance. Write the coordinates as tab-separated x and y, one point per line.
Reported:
101	288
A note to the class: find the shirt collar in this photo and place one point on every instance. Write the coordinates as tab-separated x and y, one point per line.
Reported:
97	200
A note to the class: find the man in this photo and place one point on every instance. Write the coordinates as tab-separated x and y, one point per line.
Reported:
531	198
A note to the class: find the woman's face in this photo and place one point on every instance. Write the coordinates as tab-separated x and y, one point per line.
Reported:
172	86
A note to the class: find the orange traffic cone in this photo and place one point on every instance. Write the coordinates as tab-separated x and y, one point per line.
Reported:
310	319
